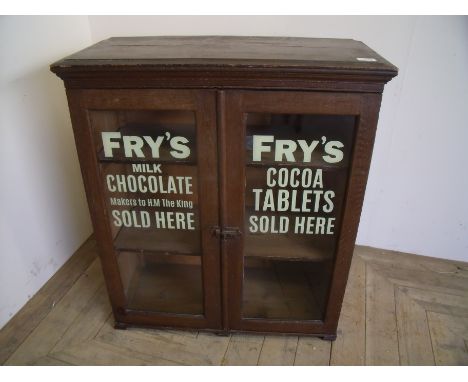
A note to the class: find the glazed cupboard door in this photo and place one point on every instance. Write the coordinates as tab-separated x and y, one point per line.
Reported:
294	172
149	163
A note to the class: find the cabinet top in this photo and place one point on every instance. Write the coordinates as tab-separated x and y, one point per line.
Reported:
228	53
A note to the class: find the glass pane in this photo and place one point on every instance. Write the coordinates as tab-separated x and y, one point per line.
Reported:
296	175
279	289
148	164
162	283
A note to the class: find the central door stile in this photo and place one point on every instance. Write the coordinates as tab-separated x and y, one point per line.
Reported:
231	136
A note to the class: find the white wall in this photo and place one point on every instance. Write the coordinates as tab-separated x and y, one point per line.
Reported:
416	199
43	212
417	194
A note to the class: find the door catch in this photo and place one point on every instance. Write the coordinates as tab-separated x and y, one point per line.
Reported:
226	232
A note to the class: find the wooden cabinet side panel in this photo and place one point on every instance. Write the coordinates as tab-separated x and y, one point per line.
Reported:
360	165
91	179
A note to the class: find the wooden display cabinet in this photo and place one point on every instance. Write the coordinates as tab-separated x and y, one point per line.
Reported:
225	175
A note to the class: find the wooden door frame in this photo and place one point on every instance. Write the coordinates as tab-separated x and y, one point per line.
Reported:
203	104
232	106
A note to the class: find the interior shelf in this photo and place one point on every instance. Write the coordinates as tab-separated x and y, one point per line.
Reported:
161	241
289	247
284	290
162	284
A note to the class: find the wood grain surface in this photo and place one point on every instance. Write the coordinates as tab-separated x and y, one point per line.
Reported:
226	61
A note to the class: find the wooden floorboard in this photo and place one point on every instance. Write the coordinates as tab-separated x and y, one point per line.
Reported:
398	309
349	348
24	322
243	350
381	322
278	351
312	351
415	345
50	330
449	336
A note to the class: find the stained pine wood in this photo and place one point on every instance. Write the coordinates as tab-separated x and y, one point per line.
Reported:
202	103
215	81
159	241
221	50
279	291
170	288
431	323
237	104
226	54
285	247
208	61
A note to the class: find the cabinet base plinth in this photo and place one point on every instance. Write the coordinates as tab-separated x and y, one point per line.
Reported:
120	325
223	333
328	337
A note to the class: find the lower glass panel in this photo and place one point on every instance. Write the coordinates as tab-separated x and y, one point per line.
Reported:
162	283
287	290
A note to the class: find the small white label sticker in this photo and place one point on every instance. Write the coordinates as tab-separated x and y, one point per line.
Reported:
366	59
